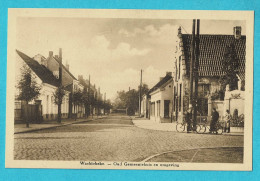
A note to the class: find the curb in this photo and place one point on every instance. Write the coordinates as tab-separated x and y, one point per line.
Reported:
56	126
224	134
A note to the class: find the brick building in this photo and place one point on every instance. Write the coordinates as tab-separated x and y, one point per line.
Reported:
211	54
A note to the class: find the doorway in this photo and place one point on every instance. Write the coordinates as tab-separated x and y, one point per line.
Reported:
166	108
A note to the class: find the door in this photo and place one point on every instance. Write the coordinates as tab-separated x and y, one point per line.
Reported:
166	108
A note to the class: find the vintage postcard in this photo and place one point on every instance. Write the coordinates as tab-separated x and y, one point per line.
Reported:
129	89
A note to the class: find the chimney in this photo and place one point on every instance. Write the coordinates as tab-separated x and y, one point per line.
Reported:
50	54
169	73
80	77
237	32
60	53
67	66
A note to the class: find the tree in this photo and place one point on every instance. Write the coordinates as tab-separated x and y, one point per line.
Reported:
130	100
86	100
230	69
28	87
58	97
92	100
99	104
144	89
107	106
77	99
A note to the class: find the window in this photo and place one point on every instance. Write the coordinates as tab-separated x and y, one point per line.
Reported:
158	108
179	67
152	109
47	106
176	71
180	97
174	98
203	90
51	104
203	106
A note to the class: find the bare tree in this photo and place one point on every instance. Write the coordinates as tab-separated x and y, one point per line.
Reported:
58	97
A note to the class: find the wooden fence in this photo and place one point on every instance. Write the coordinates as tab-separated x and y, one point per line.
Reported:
30	112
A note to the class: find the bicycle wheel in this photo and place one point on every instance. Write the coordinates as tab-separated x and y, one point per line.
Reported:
180	127
203	128
219	129
199	129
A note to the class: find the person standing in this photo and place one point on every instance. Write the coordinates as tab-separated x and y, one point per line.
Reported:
215	116
227	120
188	120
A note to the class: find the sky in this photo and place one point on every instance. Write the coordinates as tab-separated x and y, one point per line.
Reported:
112	51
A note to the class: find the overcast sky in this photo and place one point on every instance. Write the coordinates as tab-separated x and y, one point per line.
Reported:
112	51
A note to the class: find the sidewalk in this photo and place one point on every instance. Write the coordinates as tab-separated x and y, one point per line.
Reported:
152	125
21	128
149	124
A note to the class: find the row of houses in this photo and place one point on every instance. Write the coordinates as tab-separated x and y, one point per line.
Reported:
46	73
168	100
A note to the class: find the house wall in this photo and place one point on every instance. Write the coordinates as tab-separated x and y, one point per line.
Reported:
181	83
143	105
155	97
49	108
158	97
235	100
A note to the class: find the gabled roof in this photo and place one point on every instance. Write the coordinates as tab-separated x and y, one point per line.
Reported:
212	49
85	83
160	83
65	69
40	70
69	87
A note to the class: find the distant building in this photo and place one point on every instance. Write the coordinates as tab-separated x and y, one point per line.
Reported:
96	93
212	49
161	99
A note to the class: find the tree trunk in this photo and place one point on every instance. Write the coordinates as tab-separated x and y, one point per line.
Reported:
59	113
27	114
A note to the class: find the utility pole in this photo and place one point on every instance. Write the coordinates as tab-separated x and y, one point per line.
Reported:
140	94
104	105
196	75
89	109
60	84
192	63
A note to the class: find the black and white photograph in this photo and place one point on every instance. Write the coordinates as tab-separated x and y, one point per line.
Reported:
129	89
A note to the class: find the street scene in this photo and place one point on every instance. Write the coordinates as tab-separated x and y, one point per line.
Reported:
116	138
126	89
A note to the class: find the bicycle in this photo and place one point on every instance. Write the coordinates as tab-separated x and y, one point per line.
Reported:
218	128
181	127
238	122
